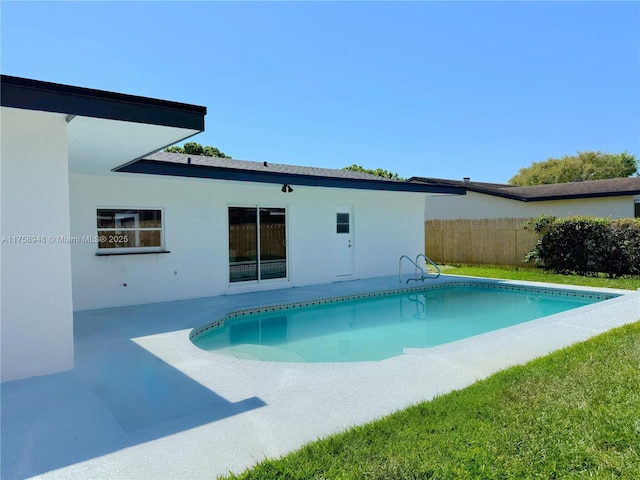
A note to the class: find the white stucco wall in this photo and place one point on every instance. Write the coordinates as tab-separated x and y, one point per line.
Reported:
477	205
386	225
36	304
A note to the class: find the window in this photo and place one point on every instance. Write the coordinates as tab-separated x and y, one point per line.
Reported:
257	244
637	209
129	230
342	223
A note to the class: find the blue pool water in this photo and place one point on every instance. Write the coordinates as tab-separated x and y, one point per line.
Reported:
381	327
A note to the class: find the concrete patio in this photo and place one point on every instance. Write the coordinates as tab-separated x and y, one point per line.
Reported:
143	402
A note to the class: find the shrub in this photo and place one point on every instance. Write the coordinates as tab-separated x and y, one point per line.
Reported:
626	233
587	245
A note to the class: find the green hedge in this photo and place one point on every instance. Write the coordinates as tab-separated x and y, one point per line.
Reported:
587	245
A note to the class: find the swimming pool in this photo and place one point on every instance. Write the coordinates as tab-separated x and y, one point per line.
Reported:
381	325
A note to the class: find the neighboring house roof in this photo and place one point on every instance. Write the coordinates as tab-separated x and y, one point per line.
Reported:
196	166
558	191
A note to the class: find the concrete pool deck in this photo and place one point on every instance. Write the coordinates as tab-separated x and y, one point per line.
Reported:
143	402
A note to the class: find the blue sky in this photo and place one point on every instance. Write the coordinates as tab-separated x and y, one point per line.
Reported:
440	89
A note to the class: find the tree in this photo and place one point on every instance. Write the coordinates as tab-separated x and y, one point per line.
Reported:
574	168
378	171
193	148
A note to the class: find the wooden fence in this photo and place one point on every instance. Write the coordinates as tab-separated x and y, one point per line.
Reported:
242	240
490	241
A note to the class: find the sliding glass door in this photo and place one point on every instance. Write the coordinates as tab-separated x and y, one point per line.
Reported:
243	244
273	245
257	243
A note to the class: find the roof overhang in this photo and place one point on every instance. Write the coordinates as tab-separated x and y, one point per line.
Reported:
106	129
155	167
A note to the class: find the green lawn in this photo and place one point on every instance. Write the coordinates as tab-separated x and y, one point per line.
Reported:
539	275
572	414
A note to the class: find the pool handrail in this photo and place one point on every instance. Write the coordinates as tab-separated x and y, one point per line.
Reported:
423	273
428	260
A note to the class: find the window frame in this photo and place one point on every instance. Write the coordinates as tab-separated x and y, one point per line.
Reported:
100	251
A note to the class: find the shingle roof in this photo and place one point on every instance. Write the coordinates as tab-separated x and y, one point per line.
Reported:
557	191
196	166
219	162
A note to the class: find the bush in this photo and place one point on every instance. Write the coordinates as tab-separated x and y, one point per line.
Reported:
627	235
587	245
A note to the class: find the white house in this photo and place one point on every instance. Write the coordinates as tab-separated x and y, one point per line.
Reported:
91	217
618	197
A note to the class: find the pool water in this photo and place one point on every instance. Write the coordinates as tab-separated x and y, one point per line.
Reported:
381	327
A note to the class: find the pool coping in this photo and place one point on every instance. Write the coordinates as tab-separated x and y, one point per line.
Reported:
443	281
199	331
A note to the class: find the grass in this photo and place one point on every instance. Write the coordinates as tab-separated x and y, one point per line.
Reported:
538	275
571	414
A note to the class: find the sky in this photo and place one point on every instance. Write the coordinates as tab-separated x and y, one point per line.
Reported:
432	89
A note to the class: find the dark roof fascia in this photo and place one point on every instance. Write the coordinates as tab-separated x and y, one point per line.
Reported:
28	94
467	187
154	167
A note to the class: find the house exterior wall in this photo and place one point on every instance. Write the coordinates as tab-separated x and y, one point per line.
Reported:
36	306
475	205
195	220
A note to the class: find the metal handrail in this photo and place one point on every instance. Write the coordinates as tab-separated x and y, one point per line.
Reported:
428	260
417	268
423	273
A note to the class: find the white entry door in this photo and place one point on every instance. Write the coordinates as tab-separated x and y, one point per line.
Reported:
345	247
